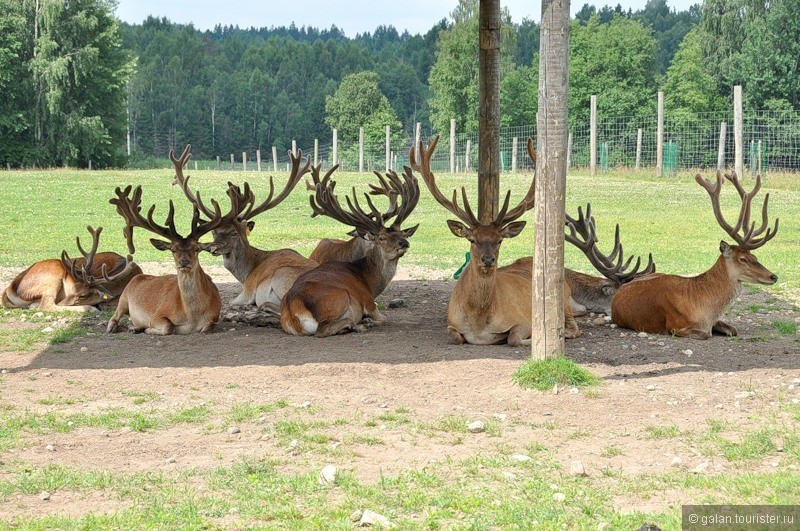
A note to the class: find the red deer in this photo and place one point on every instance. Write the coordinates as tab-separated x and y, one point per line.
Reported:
488	305
363	240
693	306
77	284
591	293
171	304
337	297
266	276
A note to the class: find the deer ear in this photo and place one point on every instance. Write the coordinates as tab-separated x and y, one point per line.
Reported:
725	249
209	247
250	225
410	231
459	229
365	234
353	233
161	245
512	229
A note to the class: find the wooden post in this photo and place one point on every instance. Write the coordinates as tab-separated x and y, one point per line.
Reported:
388	149
569	150
294	147
258	159
417	134
195	165
219	164
233	162
758	160
90	164
452	145
592	134
466	156
638	148
514	155
360	150
489	110
660	136
274	158
244	161
316	150
738	135
547	311
723	129
335	147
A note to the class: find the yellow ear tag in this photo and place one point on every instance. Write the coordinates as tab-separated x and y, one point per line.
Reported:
105	296
247	231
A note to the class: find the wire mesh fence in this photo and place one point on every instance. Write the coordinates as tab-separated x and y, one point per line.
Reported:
771	142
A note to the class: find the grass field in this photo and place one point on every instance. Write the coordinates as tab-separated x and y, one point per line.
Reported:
670	217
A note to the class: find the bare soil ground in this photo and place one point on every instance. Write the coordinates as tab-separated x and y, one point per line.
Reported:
405	365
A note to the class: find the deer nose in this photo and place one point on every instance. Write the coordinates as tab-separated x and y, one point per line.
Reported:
488	260
184	262
773	278
404	244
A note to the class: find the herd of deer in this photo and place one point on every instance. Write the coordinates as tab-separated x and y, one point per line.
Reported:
334	290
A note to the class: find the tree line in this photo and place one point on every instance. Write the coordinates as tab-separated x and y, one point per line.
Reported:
78	85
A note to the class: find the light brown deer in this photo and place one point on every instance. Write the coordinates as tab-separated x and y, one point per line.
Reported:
78	284
403	194
337	297
693	306
266	276
171	304
487	306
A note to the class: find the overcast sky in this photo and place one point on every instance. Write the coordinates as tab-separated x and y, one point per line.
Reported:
352	16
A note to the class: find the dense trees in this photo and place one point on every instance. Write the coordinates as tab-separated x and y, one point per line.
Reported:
74	83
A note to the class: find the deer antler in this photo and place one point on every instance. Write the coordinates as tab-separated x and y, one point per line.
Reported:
183	182
325	203
406	189
612	266
749	238
296	174
85	273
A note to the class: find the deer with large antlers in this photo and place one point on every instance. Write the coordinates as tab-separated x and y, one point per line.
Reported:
337	297
590	293
403	195
266	276
74	284
693	306
488	305
183	303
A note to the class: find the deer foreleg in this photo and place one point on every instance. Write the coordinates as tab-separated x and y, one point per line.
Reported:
724	329
519	335
454	337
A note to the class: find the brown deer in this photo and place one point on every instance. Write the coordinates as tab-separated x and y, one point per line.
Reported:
171	304
488	306
78	284
364	239
693	306
336	297
266	276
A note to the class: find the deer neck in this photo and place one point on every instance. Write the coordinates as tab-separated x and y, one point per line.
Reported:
717	287
243	259
196	289
479	287
376	270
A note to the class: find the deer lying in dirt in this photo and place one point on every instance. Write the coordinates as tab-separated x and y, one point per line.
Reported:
77	284
337	296
171	304
405	189
693	306
488	305
266	276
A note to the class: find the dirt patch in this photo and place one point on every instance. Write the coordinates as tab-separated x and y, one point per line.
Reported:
360	387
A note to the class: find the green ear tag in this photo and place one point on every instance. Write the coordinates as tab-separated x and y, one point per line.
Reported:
460	269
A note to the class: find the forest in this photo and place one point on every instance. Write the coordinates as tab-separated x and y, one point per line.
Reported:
77	85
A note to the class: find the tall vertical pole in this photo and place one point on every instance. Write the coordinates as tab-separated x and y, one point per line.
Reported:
417	133
316	151
723	129
569	150
360	150
244	161
452	145
274	158
592	135
547	315
514	155
660	136
335	148
258	159
488	110
294	147
738	133
638	148
388	149
466	156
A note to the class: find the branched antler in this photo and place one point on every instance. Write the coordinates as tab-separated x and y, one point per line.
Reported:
85	273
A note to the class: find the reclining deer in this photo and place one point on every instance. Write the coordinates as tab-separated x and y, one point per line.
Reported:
591	293
171	304
337	296
70	284
693	306
364	240
488	305
266	276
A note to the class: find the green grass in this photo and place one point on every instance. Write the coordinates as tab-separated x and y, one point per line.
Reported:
545	374
662	432
651	212
785	327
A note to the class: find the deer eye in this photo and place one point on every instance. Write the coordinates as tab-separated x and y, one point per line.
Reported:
743	260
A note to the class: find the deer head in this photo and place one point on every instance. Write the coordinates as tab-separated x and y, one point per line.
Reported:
743	266
484	238
91	281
